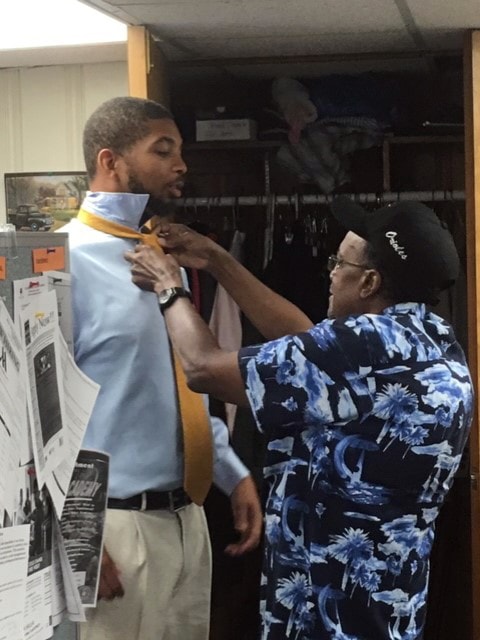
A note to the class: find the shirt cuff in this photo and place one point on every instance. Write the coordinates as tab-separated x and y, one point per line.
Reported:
229	471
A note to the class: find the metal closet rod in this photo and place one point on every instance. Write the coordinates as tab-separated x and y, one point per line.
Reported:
362	198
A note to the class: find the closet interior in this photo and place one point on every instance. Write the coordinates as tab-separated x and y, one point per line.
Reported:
321	129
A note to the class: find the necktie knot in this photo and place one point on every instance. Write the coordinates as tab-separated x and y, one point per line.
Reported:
116	229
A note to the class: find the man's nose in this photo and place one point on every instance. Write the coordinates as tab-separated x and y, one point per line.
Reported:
180	166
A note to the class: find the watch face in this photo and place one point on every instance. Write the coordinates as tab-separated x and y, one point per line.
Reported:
168	296
165	295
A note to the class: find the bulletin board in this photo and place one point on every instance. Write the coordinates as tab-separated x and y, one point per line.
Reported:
31	252
20	259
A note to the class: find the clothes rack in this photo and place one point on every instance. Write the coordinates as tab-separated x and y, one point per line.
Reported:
361	198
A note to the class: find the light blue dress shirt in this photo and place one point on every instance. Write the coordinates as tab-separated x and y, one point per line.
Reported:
122	344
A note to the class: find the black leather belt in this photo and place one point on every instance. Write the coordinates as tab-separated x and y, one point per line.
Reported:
149	500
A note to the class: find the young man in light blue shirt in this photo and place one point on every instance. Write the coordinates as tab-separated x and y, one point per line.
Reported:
155	577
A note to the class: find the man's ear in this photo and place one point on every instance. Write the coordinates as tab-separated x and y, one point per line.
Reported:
106	162
370	284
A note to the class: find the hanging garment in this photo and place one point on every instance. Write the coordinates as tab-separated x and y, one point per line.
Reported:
225	321
296	274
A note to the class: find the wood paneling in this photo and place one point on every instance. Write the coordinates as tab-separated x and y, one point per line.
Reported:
147	67
472	188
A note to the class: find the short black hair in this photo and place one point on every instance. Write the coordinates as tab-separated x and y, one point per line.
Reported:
117	125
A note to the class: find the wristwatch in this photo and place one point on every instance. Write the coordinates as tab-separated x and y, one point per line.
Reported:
168	296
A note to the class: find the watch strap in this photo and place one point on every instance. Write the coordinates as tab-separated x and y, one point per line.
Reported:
168	296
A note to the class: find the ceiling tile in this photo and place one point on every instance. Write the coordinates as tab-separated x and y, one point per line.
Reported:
319	44
257	17
163	3
325	15
462	14
211	28
185	19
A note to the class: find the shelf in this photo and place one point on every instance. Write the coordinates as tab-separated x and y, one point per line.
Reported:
270	144
391	141
436	139
233	144
388	142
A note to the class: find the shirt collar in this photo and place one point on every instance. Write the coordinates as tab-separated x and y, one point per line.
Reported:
122	208
406	308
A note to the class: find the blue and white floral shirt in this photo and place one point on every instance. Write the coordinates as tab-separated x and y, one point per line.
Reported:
366	419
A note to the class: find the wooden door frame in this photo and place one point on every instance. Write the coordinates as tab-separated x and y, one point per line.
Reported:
147	67
471	79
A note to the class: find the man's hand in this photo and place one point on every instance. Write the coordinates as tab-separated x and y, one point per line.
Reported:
109	586
191	249
247	517
153	270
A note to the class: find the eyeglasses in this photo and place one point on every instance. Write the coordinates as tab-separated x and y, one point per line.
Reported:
334	262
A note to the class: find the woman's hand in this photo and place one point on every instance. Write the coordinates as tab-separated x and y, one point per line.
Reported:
153	270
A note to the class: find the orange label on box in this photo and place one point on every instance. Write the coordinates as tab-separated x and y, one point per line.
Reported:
3	268
49	259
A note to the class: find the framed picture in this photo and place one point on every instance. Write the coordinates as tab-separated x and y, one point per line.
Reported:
43	201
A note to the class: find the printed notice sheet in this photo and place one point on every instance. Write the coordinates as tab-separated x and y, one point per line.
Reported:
61	283
80	394
59	604
83	521
13	580
76	612
46	409
38	512
23	292
13	415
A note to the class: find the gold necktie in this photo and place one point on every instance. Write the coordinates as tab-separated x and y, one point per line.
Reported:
197	435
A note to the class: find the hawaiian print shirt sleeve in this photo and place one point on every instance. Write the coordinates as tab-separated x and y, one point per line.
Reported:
306	378
341	370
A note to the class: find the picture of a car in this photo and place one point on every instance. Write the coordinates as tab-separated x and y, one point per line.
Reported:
28	216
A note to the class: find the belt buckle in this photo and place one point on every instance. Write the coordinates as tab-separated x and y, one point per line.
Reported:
171	503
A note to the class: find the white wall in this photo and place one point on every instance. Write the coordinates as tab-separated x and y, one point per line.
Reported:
42	113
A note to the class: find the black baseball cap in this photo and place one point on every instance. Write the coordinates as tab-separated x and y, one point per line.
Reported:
412	246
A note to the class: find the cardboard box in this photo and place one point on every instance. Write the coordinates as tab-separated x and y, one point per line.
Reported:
238	129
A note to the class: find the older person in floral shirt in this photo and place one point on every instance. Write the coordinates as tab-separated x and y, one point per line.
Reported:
366	414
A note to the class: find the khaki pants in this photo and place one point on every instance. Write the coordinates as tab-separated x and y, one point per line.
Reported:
164	561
